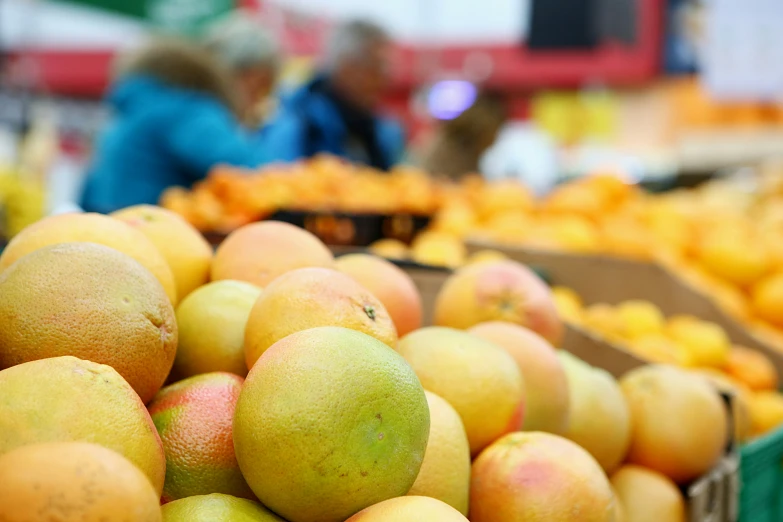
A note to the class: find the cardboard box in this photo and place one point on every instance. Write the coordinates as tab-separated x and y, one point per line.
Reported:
611	280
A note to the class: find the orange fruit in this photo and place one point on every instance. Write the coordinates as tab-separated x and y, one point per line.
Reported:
480	380
193	418
185	250
693	436
69	481
705	343
648	496
390	284
212	323
329	422
445	472
485	256
92	228
406	509
546	384
92	302
752	368
260	252
217	507
766	411
538	476
599	419
738	259
767	299
502	291
639	318
438	249
311	297
389	249
67	399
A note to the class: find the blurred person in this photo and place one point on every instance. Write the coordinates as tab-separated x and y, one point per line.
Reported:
336	112
251	56
178	112
456	146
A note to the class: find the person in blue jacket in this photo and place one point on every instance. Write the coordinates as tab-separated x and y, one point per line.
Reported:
336	112
178	113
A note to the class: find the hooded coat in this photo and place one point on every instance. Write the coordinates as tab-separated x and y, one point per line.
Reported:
175	118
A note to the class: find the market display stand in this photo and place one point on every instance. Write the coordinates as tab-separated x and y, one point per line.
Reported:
711	498
755	470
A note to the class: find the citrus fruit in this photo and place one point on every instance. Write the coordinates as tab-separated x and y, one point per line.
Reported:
92	302
67	399
752	368
260	252
445	472
330	421
185	250
705	343
217	507
389	249
73	481
600	421
480	380
406	509
501	291
679	425
546	385
767	299
393	288
212	323
538	476
194	420
92	228
648	496
311	297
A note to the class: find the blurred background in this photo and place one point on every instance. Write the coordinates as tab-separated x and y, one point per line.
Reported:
665	91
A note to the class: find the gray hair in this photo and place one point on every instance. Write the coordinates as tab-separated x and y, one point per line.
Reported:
238	42
351	40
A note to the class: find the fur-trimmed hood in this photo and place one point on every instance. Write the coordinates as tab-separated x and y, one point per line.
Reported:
180	65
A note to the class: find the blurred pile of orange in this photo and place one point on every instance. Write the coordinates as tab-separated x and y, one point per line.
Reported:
687	341
725	242
692	108
232	197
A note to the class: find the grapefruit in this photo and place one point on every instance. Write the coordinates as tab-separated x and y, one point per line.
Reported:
648	496
217	507
92	302
185	250
392	286
67	399
480	380
600	420
330	421
73	481
538	476
679	423
445	472
546	385
312	297
260	252
92	228
407	509
212	323
500	291
194	420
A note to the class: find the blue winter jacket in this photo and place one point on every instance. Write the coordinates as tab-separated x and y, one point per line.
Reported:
162	136
310	123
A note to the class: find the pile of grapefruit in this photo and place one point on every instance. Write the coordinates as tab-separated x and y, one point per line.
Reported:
145	378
